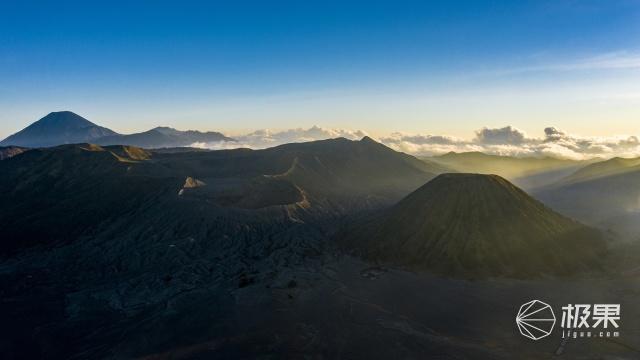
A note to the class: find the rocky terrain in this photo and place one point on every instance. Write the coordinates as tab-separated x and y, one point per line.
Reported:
119	252
9	151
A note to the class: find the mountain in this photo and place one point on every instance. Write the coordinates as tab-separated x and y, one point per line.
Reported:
229	254
476	225
164	137
603	194
106	237
527	172
9	151
600	169
60	194
63	127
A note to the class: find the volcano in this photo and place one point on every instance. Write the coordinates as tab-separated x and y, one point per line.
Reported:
62	127
477	225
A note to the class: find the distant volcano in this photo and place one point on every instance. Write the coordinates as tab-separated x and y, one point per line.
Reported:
477	225
66	127
63	127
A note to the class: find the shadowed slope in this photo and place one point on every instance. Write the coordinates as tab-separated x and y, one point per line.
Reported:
476	225
54	195
57	195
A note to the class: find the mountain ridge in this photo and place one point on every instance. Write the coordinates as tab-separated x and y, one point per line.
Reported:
85	187
66	127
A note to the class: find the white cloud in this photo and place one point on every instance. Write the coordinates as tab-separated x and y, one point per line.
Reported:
617	60
505	135
613	60
265	138
513	142
506	140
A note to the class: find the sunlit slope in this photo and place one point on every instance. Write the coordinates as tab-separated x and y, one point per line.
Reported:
477	225
605	194
600	169
327	168
10	151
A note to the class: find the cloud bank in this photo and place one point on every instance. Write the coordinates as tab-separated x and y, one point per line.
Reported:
507	140
264	138
514	142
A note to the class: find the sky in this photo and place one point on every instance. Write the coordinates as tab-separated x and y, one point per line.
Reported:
387	68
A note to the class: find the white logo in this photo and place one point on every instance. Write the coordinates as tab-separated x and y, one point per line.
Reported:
535	320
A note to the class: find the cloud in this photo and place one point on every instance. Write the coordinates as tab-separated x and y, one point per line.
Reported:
265	138
505	135
551	133
507	141
510	141
421	139
617	60
612	60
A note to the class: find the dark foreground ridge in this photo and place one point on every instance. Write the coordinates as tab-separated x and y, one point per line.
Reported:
120	252
477	225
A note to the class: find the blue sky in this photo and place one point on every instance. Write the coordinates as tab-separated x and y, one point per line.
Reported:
446	67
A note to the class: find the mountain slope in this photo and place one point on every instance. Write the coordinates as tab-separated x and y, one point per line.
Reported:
342	166
55	195
333	175
477	225
64	127
60	194
605	194
600	169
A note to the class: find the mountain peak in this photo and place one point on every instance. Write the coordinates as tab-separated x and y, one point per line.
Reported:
166	130
64	117
470	177
61	127
478	225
